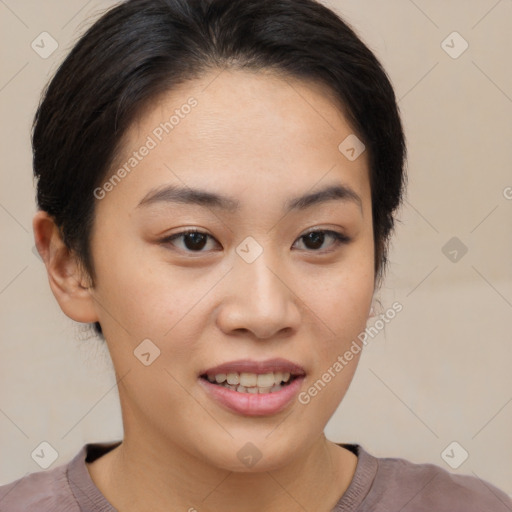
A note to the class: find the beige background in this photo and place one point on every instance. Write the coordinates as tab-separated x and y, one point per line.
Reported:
440	372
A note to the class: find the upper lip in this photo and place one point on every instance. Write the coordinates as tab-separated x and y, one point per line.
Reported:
258	367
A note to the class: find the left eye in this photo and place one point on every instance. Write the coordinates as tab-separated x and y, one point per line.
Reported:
316	238
194	241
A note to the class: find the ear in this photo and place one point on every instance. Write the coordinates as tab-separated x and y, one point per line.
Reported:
69	284
376	306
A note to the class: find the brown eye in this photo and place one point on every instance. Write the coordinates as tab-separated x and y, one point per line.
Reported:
193	240
315	239
196	241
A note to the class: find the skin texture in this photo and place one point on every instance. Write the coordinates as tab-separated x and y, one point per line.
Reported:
260	139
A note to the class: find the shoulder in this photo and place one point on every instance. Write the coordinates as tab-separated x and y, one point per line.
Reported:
426	487
43	491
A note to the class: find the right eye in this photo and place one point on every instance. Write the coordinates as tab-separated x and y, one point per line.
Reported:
193	240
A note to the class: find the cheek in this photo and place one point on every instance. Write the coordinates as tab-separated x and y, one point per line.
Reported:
341	302
343	308
144	298
341	296
344	315
129	290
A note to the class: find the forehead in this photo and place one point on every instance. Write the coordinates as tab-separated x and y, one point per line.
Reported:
239	130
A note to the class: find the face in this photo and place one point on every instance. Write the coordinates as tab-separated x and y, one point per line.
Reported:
267	277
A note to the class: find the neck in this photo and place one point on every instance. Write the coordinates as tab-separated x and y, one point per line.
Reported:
141	476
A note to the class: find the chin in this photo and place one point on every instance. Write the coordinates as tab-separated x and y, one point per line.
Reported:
252	453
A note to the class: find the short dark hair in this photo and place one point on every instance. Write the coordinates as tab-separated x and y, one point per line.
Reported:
141	49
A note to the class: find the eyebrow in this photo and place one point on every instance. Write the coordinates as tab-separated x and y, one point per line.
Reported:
187	195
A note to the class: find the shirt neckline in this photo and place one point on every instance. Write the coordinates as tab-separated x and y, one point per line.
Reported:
87	494
362	481
90	498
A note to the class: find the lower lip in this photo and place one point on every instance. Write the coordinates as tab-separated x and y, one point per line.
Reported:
253	404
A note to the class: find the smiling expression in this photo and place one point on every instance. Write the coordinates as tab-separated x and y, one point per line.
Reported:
281	264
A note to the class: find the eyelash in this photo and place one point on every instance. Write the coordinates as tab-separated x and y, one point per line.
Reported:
340	238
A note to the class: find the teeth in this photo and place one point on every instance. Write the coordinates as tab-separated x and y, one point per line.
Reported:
251	382
248	379
233	378
265	380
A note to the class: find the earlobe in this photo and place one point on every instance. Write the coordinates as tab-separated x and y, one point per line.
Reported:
69	285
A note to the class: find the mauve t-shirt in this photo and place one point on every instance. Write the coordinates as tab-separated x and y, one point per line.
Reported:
378	485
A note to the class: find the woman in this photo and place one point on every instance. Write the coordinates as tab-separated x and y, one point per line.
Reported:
217	182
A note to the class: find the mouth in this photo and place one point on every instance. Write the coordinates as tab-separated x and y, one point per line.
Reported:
253	388
246	382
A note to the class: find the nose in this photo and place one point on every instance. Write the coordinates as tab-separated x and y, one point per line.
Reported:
259	297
